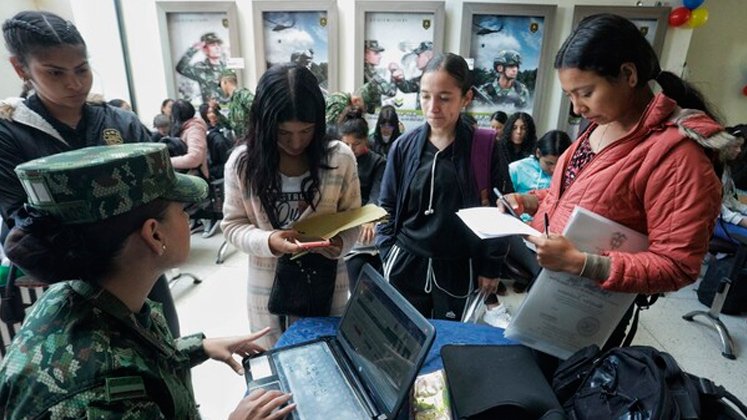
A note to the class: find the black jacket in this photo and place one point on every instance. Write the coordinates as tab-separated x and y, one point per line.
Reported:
26	135
403	161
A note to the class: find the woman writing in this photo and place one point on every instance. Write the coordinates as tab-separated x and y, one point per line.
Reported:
286	171
643	162
93	346
429	254
49	55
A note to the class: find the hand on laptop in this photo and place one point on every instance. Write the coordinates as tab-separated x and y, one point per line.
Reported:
263	404
223	349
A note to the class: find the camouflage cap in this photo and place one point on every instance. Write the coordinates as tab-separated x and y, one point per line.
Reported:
210	38
373	45
95	183
507	58
423	47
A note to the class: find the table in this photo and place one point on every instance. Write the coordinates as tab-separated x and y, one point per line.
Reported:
447	332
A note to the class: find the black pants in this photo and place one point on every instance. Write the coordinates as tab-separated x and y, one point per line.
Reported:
162	294
355	265
447	294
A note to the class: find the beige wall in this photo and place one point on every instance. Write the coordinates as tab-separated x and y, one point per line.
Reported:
717	59
149	73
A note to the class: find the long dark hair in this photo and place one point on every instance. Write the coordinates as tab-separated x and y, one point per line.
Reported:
455	66
603	43
181	112
353	124
530	139
53	252
285	92
387	115
29	31
553	143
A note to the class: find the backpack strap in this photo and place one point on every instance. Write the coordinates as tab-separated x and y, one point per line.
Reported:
709	390
641	302
483	141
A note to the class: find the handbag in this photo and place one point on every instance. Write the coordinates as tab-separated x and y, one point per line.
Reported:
303	286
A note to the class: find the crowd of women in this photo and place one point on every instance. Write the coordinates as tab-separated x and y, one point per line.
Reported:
95	346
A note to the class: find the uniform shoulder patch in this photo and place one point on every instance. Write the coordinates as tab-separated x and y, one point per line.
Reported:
112	136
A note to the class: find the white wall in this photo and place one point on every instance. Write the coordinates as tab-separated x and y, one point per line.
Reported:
99	27
717	59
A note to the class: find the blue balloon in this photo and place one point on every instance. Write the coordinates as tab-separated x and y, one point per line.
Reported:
692	4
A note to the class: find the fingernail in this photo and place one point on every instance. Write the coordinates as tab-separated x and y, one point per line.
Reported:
241	371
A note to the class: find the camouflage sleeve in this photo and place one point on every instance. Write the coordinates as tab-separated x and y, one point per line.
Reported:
384	87
238	109
523	92
183	67
191	346
408	86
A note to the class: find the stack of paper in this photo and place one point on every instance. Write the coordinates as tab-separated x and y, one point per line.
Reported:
563	313
489	222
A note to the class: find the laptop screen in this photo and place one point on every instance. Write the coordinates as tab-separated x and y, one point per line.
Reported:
385	338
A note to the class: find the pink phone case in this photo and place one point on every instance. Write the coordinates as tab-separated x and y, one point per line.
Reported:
314	244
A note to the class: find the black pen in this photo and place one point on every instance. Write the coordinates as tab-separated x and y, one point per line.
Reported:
503	200
547	226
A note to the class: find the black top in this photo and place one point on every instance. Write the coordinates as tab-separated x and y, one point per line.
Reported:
370	171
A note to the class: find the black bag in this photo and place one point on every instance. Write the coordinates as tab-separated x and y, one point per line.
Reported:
736	299
176	146
303	286
637	382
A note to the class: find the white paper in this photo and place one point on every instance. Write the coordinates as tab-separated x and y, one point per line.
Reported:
489	222
563	313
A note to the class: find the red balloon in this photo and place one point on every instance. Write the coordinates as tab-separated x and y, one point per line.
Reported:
744	90
679	16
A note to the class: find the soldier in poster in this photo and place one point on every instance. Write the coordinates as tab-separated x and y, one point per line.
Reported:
423	53
505	89
378	86
207	72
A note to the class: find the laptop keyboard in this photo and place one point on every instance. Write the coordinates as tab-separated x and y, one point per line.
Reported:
319	388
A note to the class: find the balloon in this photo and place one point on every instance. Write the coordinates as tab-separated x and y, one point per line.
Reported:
679	16
698	17
692	4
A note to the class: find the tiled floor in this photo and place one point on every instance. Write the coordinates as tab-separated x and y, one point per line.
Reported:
217	307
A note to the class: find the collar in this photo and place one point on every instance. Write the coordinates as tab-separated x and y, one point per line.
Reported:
15	109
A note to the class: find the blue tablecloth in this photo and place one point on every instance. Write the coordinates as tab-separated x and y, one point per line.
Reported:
447	332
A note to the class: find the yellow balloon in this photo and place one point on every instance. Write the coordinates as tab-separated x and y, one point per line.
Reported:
698	17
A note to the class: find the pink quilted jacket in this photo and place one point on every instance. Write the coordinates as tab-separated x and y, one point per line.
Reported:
659	181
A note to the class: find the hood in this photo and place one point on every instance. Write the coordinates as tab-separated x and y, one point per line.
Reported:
14	109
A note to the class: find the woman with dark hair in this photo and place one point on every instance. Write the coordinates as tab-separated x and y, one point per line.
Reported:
646	161
386	130
535	172
354	132
193	132
50	56
93	346
285	172
166	107
519	137
430	256
497	121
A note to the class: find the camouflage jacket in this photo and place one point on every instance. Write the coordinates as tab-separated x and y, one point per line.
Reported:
517	94
82	354
238	110
377	87
204	73
411	86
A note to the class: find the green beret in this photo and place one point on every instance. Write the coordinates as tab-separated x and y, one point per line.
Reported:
95	183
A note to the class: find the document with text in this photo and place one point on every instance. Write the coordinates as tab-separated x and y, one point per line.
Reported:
563	313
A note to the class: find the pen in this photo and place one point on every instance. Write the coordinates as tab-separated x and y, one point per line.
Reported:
505	203
547	226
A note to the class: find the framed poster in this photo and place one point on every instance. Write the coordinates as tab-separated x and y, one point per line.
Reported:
393	43
200	41
652	22
508	46
304	32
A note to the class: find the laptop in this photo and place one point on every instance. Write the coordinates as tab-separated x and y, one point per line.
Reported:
364	371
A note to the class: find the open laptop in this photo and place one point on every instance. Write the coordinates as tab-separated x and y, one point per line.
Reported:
364	371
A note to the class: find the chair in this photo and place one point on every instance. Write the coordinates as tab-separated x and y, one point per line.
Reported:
210	209
712	314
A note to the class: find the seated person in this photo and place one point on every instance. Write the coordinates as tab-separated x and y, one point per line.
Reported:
535	172
733	217
162	125
93	346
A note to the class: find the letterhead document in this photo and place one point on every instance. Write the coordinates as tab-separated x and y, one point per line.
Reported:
563	313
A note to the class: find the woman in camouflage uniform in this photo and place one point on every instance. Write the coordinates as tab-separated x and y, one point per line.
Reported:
101	225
